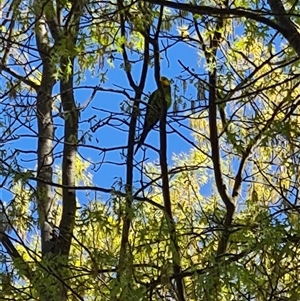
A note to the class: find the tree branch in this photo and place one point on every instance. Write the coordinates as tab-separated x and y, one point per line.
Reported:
290	31
164	168
21	78
215	11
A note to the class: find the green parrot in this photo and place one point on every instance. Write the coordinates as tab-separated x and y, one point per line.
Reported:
154	108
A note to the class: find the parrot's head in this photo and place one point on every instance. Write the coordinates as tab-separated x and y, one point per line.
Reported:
165	82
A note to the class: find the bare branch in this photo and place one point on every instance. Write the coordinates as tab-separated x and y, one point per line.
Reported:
290	31
21	78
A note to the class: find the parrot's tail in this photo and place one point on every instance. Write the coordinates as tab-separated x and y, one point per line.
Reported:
142	139
138	146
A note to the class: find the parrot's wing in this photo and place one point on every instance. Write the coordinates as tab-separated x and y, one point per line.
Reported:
151	117
168	97
153	110
156	99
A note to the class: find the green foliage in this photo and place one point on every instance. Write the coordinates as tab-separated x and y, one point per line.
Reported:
223	220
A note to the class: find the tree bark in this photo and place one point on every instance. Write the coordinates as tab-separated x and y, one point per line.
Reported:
290	31
45	134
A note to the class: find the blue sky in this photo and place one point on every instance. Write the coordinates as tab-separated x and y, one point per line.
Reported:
108	136
110	102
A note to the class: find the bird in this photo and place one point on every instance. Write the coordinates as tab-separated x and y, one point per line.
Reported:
154	108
